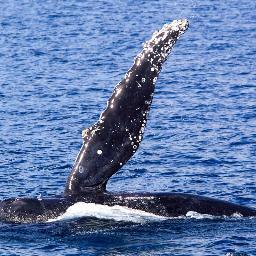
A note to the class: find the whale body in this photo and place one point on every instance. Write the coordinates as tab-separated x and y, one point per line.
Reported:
112	141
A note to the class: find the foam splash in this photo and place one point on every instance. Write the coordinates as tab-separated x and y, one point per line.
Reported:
116	212
199	216
125	214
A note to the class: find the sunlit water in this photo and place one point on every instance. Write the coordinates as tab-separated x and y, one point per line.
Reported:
59	62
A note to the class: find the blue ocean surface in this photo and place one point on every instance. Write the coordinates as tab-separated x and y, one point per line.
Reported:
59	62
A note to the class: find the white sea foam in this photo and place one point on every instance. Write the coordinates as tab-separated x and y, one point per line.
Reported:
122	213
199	216
116	212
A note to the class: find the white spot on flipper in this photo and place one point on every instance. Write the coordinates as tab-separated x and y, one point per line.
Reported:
99	152
80	169
118	91
139	85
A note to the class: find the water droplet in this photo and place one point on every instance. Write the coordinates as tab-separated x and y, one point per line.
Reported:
99	152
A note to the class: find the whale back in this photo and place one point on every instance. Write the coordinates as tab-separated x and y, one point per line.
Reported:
115	137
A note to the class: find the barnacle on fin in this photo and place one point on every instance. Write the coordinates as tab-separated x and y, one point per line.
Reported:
85	133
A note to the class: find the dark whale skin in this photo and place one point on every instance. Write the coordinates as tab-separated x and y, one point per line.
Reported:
29	210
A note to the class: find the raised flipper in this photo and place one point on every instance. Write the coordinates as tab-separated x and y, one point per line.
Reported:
111	142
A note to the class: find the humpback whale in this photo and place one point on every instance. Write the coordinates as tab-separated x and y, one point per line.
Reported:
112	141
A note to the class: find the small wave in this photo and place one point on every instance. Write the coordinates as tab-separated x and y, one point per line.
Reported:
116	212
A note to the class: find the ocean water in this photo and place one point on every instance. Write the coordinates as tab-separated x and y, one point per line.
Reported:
59	62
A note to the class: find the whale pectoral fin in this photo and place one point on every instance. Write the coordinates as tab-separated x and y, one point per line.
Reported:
114	139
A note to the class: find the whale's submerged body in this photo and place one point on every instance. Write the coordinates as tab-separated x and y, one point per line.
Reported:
111	142
29	210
